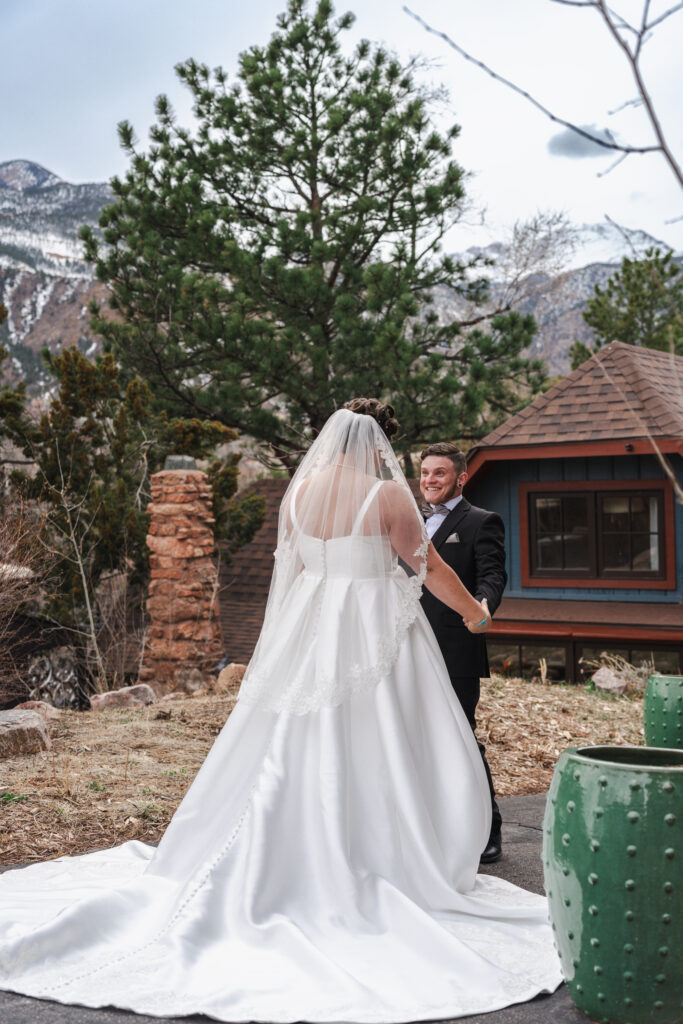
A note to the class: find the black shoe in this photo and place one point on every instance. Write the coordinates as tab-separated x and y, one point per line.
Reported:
493	851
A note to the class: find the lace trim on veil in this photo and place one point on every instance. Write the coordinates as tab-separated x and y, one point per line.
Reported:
300	697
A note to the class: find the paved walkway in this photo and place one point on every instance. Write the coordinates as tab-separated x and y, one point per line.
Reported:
521	864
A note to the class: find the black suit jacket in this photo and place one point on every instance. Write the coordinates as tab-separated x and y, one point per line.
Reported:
478	557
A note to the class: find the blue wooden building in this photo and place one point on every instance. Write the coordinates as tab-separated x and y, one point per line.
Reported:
589	482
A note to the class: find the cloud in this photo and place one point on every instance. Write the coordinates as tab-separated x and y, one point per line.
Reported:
570	144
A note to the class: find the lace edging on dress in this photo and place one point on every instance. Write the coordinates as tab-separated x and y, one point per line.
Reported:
302	695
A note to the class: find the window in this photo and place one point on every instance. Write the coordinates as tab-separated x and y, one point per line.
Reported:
523	660
630	531
668	662
596	534
520	657
560	523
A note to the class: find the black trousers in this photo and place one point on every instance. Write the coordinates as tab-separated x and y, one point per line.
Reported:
467	692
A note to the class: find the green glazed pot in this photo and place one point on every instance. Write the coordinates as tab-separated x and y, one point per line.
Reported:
613	858
663	712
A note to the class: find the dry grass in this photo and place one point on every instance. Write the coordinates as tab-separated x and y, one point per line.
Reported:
118	775
526	726
110	776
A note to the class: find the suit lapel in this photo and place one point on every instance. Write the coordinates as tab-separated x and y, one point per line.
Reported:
452	520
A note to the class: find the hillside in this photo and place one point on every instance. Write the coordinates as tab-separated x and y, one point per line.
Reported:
46	285
44	282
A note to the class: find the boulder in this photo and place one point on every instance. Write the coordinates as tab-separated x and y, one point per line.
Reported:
229	678
22	732
127	697
48	711
606	679
189	680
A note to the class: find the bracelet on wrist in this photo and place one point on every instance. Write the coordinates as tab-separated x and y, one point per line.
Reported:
483	621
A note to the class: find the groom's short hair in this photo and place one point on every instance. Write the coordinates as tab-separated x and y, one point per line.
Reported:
450	451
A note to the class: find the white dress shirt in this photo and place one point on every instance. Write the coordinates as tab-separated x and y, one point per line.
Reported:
435	521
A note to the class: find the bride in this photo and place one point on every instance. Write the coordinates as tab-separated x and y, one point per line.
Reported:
323	864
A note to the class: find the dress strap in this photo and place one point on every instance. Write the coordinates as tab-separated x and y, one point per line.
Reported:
365	506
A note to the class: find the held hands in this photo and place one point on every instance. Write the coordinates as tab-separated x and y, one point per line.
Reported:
483	623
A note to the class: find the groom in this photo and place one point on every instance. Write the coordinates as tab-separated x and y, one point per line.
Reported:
472	541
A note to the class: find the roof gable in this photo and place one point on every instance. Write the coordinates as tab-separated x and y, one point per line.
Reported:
621	392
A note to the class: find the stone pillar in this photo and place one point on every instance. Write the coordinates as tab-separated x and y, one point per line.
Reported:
184	634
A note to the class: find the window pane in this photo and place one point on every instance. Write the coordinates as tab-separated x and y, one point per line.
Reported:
615	513
548	515
576	551
555	658
503	658
549	552
616	552
666	662
645	551
575	511
593	654
575	523
640	513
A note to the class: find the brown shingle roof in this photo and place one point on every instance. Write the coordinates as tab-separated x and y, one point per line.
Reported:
620	392
566	614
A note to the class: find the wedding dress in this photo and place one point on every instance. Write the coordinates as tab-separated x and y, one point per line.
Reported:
323	864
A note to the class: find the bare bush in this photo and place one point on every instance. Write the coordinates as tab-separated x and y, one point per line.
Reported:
24	571
635	676
120	631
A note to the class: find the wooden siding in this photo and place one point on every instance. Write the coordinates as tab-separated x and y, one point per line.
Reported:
498	490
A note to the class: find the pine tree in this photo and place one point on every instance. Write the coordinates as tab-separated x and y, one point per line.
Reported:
641	304
283	256
92	453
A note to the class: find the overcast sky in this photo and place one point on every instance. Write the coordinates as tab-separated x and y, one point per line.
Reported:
71	69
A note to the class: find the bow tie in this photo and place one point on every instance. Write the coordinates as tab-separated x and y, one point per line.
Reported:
434	510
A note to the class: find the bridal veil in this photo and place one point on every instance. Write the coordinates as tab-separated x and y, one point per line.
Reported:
349	517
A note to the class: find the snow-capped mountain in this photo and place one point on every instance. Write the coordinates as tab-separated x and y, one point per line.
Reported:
40	216
556	294
22	174
608	243
46	285
44	281
586	245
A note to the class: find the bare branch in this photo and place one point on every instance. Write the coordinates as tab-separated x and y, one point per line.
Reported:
527	96
635	102
614	22
632	58
619	159
623	24
662	17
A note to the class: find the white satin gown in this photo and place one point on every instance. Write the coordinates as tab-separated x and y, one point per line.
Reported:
323	864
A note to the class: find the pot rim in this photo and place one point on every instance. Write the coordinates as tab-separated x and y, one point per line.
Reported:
638	763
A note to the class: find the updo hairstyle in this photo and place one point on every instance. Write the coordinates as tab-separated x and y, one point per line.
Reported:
382	412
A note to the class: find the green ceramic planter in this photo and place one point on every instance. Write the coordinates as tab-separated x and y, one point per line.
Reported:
663	712
613	858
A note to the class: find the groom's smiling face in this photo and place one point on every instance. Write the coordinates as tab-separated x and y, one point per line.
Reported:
439	479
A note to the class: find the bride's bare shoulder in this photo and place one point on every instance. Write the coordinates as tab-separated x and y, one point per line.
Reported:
395	495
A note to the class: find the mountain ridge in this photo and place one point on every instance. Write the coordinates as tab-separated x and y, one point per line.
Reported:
47	285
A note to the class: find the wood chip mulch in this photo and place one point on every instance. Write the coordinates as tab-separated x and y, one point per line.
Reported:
117	775
525	727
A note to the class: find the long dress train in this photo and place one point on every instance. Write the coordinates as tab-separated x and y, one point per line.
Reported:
321	867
